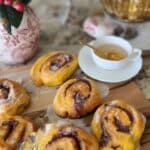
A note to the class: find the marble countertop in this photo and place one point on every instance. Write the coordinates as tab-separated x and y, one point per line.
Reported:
68	35
56	34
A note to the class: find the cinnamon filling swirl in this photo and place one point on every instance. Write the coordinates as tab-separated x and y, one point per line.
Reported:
4	92
59	61
64	133
115	147
120	127
10	126
77	95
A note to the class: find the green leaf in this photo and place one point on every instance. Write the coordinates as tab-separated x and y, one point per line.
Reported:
8	28
14	16
26	1
10	17
4	18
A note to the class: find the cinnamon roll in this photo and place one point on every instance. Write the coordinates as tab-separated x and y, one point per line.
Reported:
118	126
13	130
76	98
68	137
53	68
13	97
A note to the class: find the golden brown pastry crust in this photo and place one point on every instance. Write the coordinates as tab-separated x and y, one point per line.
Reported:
76	97
53	68
13	130
68	137
13	97
118	125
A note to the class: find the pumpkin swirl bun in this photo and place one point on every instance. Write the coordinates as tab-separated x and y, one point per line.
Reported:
68	137
118	126
13	97
76	97
13	130
53	68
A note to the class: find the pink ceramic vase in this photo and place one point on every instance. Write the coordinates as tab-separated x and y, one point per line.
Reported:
22	44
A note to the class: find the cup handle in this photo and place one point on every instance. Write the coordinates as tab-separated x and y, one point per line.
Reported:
139	51
134	55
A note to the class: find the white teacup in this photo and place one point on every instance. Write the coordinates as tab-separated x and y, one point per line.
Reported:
132	53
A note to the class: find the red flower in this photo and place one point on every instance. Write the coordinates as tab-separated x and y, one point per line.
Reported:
19	6
8	2
1	2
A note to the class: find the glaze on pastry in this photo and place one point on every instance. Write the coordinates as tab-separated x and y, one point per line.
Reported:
13	97
76	97
68	137
118	126
53	68
13	130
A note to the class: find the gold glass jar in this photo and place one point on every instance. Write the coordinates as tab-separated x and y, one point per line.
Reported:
128	10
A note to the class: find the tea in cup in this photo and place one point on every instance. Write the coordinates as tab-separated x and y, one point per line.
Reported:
113	52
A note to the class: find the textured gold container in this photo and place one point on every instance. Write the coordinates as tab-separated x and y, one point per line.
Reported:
128	10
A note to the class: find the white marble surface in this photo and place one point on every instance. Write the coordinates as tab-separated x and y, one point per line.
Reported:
68	35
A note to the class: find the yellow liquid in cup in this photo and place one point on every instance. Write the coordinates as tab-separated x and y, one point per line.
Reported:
111	52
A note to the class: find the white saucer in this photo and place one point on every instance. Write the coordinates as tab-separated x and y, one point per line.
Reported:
88	66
